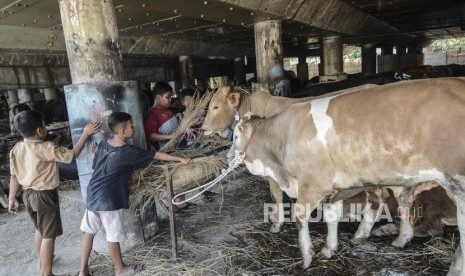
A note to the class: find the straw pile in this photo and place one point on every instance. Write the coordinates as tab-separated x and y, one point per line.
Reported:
150	183
193	112
244	90
202	144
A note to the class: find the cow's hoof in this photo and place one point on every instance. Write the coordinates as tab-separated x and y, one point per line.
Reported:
307	259
275	229
306	263
325	253
386	230
399	243
356	241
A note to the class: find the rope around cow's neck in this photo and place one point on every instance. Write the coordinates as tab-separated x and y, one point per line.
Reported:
234	163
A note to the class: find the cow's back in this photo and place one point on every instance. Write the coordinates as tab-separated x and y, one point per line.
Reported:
411	125
387	133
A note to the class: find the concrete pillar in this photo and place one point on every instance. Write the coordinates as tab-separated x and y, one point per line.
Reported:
26	96
333	65
302	69
95	60
401	50
405	60
91	36
239	71
387	50
368	59
321	70
13	101
202	84
269	58
50	94
13	98
187	71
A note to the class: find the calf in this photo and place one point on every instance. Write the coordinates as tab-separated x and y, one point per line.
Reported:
432	208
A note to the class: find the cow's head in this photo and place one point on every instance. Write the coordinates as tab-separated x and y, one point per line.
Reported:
243	132
221	111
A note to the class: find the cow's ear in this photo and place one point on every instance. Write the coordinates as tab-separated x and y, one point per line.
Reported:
240	127
245	129
234	98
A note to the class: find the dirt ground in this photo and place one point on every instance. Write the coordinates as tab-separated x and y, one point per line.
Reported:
227	236
18	256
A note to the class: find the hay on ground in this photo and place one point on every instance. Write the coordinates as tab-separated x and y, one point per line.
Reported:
237	242
150	183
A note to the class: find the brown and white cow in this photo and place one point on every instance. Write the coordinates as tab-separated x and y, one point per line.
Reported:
222	109
398	134
227	103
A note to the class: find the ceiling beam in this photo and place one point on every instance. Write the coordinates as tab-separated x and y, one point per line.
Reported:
52	41
330	15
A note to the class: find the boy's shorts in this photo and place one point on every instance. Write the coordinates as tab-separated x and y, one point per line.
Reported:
44	209
111	221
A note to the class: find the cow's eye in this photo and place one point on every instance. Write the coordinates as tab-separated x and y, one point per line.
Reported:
215	107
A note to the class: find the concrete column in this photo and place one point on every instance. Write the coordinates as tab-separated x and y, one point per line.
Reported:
95	60
187	71
302	69
13	101
25	96
333	65
202	84
50	94
239	71
269	58
401	50
387	50
368	59
13	98
91	36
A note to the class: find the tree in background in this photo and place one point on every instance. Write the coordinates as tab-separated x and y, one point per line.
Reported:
352	53
442	45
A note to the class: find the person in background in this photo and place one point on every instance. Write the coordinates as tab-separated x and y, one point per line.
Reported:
161	124
187	95
33	165
108	190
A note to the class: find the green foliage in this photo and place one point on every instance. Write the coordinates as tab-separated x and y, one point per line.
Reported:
441	45
352	53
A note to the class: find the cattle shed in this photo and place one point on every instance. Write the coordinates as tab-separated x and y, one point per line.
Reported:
76	61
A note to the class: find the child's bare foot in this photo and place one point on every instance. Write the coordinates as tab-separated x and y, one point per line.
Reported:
85	272
130	270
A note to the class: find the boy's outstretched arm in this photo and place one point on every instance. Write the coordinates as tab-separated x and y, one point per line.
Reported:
168	157
13	204
89	129
161	137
